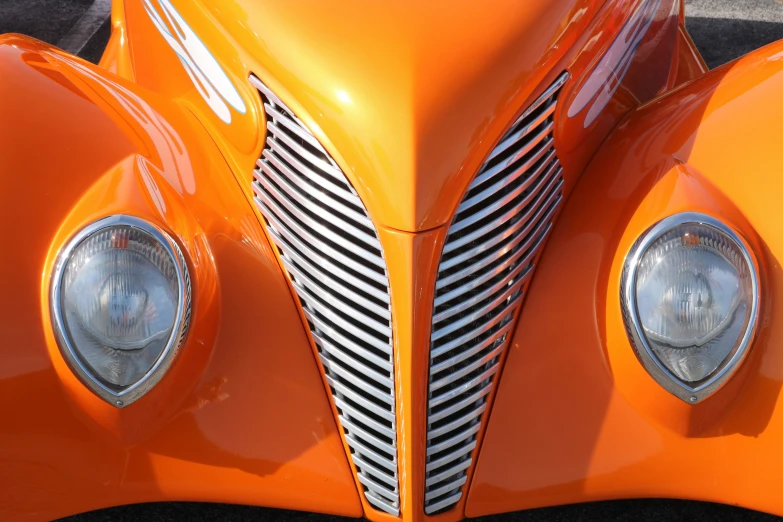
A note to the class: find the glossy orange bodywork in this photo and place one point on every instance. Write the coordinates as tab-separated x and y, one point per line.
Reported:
409	100
596	426
211	430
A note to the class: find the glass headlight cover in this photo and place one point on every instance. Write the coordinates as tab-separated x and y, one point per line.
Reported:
690	302
121	306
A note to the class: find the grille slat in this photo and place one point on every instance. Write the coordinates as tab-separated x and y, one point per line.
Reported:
484	294
290	230
517	134
543	139
342	357
357	398
547	168
486	265
331	252
325	182
336	321
461	405
326	330
291	125
519	229
334	301
366	451
324	260
548	150
464	387
465	320
292	182
481	329
318	228
441	505
448	473
354	429
550	179
330	282
453	425
449	486
451	457
456	439
465	370
519	249
334	367
276	134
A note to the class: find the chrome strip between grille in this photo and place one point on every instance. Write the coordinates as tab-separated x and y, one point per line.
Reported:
487	262
330	250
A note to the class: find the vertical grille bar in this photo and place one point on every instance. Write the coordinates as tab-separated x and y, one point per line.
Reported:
331	252
485	267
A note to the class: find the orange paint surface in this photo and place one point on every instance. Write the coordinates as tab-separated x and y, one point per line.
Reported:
242	415
576	417
409	100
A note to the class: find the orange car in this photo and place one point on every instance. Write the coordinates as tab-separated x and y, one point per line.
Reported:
401	260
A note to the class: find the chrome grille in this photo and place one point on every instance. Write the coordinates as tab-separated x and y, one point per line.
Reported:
486	264
331	252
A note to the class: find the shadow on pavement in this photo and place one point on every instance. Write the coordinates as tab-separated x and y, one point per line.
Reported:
651	510
721	40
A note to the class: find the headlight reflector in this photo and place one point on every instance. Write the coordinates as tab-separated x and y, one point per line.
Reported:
690	298
121	303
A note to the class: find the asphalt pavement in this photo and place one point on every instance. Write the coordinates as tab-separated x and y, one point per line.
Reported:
722	29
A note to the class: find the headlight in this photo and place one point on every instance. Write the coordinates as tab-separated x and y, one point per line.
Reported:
690	302
121	305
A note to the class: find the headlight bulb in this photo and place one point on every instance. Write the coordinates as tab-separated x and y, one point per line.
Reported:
690	296
121	302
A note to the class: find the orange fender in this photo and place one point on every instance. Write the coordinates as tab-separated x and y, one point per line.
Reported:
576	417
242	416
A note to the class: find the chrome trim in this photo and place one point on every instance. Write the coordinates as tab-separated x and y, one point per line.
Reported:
512	286
556	180
128	394
331	252
478	198
513	138
550	170
465	370
311	271
659	372
489	275
311	175
481	296
291	125
449	486
440	477
540	232
550	205
472	334
456	439
464	403
466	386
288	237
274	133
451	457
453	425
301	185
446	503
476	348
487	262
543	137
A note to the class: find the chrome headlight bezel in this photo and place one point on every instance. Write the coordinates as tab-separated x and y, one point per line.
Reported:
634	329
129	394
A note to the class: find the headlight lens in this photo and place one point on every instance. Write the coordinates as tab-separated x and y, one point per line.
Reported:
121	303
691	294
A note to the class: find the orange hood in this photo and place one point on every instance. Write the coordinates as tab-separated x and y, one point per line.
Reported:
408	96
